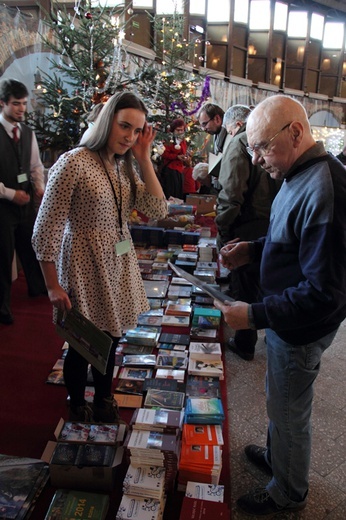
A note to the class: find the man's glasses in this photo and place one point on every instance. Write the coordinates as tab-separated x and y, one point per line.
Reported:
264	149
205	123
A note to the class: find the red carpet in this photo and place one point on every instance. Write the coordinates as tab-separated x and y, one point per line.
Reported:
30	408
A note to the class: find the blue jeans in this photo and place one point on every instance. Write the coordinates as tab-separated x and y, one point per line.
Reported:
291	372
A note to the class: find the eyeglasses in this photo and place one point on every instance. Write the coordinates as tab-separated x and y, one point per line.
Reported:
262	149
205	123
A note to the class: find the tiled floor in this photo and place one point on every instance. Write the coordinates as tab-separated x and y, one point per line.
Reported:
247	418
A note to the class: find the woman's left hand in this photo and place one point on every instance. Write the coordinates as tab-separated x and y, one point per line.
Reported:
141	149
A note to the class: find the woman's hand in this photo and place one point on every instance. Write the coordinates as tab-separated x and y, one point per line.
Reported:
141	149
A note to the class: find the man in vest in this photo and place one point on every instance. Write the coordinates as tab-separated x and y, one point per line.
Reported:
21	177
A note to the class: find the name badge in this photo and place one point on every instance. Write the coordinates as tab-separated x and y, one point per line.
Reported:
22	177
123	247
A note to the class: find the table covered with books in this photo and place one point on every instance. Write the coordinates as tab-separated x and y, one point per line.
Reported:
169	458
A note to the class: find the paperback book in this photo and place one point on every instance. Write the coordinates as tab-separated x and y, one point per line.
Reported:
129	386
203	386
135	373
162	384
68	504
203	434
145	481
156	398
205	350
157	420
213	493
202	367
143	335
181	339
169	373
176	362
139	360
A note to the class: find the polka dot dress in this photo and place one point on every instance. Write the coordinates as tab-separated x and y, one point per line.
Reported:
77	227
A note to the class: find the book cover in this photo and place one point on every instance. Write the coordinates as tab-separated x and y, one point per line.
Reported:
162	384
164	399
135	373
74	432
151	440
202	434
203	509
145	481
175	321
204	334
176	309
81	334
155	321
129	400
176	362
156	288
170	373
171	346
139	508
68	504
203	491
106	433
129	386
181	339
205	350
65	453
139	360
143	335
205	368
22	480
197	407
203	386
149	419
95	455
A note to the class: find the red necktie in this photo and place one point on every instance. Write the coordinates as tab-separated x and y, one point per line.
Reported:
15	134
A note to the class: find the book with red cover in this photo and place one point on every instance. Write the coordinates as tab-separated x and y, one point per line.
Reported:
203	510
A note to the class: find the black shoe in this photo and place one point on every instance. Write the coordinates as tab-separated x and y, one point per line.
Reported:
247	356
6	319
106	411
256	455
260	503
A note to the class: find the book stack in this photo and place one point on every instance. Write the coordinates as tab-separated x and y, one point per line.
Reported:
202	491
143	335
21	482
206	317
145	481
68	503
207	249
169	421
201	463
202	386
174	360
140	508
153	448
202	367
204	411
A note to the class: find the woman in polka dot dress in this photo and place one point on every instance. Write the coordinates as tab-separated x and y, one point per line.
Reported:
83	243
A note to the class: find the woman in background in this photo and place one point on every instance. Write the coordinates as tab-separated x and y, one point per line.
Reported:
83	242
176	174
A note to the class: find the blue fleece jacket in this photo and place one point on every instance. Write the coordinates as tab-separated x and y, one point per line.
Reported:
303	257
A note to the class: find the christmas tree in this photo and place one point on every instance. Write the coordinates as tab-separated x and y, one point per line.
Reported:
170	91
91	64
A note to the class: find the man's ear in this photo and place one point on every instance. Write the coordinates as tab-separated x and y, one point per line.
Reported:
297	132
218	120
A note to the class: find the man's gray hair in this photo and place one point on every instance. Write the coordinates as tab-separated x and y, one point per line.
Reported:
236	113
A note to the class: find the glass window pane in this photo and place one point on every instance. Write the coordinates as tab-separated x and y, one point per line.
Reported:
260	14
197	7
294	79
330	62
280	16
314	54
218	33
257	69
258	43
239	63
297	24
169	6
142	4
219	14
317	24
240	35
241	11
312	81
216	57
328	86
333	35
295	52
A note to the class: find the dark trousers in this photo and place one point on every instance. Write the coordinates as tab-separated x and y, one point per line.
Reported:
76	374
244	286
16	226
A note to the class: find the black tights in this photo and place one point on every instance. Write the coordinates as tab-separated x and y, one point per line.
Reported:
76	372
